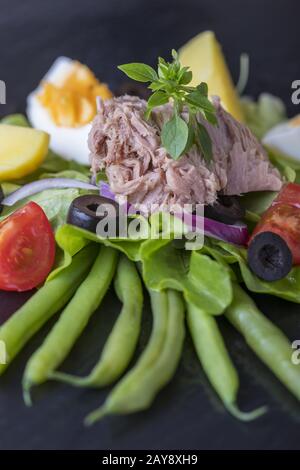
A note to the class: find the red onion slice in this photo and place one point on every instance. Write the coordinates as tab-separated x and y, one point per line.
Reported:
105	191
237	234
41	185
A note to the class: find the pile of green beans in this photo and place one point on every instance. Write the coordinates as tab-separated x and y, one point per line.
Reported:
216	362
120	346
48	300
265	339
81	287
157	364
72	321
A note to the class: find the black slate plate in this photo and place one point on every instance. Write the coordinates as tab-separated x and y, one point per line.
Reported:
187	414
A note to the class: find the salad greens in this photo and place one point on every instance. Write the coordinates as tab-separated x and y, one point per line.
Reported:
287	288
203	281
72	239
164	266
55	204
171	81
263	114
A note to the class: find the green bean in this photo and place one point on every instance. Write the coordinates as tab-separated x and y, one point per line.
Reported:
137	390
72	321
48	300
215	360
121	344
267	341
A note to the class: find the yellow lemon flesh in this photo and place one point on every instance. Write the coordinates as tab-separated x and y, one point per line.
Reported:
204	56
22	150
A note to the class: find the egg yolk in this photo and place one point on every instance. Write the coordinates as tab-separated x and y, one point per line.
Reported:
72	103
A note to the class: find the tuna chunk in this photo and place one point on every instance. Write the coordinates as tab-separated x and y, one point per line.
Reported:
129	149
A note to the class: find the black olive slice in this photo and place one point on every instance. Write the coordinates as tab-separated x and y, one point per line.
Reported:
133	89
227	209
1	198
269	256
83	211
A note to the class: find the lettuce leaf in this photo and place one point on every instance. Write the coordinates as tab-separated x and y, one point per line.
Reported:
203	281
263	114
287	288
54	202
258	202
53	163
72	239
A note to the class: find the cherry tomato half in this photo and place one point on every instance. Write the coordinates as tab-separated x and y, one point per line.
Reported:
27	249
289	194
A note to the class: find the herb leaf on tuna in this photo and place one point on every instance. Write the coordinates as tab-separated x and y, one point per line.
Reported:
170	82
175	135
139	72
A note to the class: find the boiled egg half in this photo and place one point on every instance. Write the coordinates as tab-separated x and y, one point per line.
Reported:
284	139
64	104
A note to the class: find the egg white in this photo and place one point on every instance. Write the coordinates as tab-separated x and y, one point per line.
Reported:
69	143
284	139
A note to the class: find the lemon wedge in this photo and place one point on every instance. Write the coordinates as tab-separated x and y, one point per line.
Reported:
204	56
22	150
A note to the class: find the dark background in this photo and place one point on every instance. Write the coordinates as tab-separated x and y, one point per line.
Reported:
102	34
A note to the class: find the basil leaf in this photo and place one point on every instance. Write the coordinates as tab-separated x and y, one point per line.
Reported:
157	99
204	142
203	88
174	55
139	72
211	117
191	138
197	99
186	77
154	86
174	136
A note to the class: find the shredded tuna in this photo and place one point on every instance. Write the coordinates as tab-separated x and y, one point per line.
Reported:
129	149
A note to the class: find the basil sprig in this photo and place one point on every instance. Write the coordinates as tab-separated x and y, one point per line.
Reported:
171	82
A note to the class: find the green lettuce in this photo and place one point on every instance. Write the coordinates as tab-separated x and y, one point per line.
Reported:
54	164
258	202
261	116
265	113
203	281
71	239
54	202
287	288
